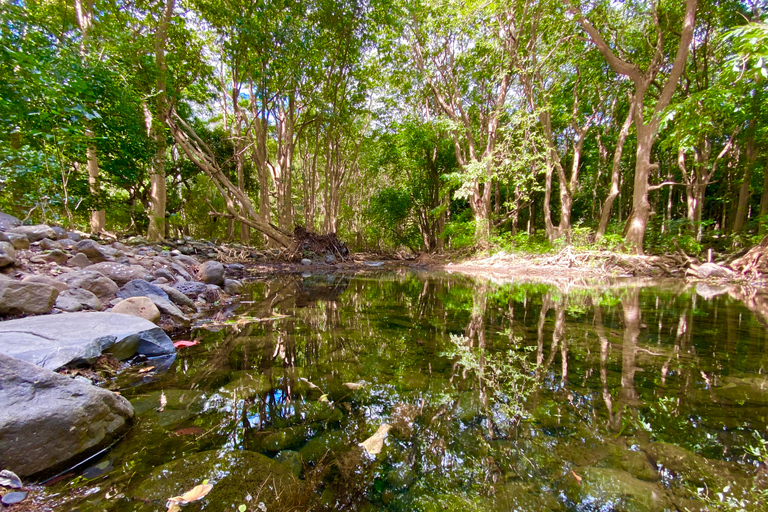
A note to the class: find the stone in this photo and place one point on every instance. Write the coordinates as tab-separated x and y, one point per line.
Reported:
292	461
20	242
95	282
18	298
187	260
707	270
66	243
8	221
164	272
75	237
47	244
140	288
191	289
176	296
79	260
235	267
246	473
60	232
233	286
137	240
211	294
57	256
169	308
51	281
182	272
4	237
78	300
35	233
57	341
91	249
604	488
119	273
142	307
330	259
306	261
211	272
47	418
7	254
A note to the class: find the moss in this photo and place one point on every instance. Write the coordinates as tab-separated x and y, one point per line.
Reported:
234	476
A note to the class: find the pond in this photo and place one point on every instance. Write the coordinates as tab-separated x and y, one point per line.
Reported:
466	394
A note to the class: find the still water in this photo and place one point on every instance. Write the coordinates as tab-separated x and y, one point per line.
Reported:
467	394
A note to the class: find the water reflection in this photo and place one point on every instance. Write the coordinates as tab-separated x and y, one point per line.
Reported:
500	396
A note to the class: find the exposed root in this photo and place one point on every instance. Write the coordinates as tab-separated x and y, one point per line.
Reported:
307	244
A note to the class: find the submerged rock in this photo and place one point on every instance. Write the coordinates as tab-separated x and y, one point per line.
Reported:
234	476
614	489
47	418
56	341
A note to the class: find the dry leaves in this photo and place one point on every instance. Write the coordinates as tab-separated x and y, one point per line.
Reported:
577	477
194	494
10	479
354	386
374	444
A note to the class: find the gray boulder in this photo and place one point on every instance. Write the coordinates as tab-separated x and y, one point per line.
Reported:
211	272
18	298
182	272
91	249
176	296
56	255
8	222
78	300
47	244
140	288
120	273
48	419
20	242
57	341
4	237
79	260
7	254
51	281
233	286
707	270
60	232
95	282
164	272
191	289
35	233
75	237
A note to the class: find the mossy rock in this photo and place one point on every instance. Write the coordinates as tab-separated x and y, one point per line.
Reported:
175	399
616	490
750	390
333	441
287	438
697	470
247	384
291	460
234	476
524	496
634	462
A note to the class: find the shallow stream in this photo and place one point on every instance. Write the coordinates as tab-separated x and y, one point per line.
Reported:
566	396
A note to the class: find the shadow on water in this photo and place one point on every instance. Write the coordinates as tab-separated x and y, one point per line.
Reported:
531	396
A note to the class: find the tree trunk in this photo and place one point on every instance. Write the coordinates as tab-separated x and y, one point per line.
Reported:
741	209
157	195
615	172
641	208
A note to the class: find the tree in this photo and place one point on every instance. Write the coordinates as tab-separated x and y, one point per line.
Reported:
646	122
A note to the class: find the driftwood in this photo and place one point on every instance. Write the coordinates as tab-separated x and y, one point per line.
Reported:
755	262
306	244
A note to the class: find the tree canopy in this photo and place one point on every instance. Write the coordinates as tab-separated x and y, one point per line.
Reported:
422	125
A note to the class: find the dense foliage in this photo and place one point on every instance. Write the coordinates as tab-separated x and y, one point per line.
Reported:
418	124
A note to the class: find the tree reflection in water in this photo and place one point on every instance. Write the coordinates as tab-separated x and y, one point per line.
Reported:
527	395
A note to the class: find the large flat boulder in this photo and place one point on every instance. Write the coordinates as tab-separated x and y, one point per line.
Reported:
47	419
57	341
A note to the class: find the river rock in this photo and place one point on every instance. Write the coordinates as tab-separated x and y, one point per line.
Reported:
78	300
91	249
18	298
7	254
47	418
47	244
4	237
19	242
56	341
60	232
605	487
35	233
233	286
191	289
8	221
57	256
707	270
50	281
211	272
176	296
79	260
140	288
75	237
235	475
164	273
695	469
95	282
120	273
142	307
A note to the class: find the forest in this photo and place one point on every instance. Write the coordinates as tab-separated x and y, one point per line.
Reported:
399	125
